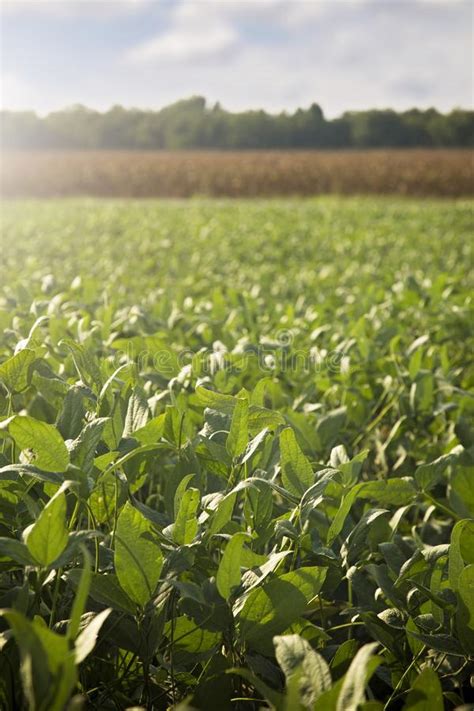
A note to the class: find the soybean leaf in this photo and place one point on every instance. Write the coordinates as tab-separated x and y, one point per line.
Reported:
296	656
296	471
15	550
49	451
426	693
355	680
138	558
104	589
15	372
228	572
137	412
87	638
461	550
238	435
186	525
48	536
270	609
465	610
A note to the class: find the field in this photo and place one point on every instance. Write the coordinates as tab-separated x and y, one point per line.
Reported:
236	441
441	172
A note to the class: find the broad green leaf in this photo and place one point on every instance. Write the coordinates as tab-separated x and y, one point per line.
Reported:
215	401
152	431
296	471
104	589
296	657
261	418
87	638
342	513
138	558
270	609
14	372
426	693
191	637
355	680
47	664
465	610
86	364
222	514
48	536
461	550
186	525
35	673
238	435
137	412
180	489
392	492
83	449
15	550
228	572
429	474
49	451
462	491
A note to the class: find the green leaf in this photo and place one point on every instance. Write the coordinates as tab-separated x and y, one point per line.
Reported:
35	672
84	447
465	610
104	589
228	573
296	657
86	364
269	610
152	431
87	638
189	636
355	680
261	418
462	491
48	666
215	401
15	372
137	412
49	451
426	693
138	558
429	474
48	536
186	525
238	435
461	550
342	513
296	471
15	550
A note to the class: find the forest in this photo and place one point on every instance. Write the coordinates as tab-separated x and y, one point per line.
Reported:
195	124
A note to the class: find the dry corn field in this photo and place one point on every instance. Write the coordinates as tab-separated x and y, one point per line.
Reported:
236	174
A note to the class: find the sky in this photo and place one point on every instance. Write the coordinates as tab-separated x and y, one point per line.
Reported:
271	54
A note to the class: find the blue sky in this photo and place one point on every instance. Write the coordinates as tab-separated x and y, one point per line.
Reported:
275	54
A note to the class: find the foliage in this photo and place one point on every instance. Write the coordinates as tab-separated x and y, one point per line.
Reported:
236	456
191	123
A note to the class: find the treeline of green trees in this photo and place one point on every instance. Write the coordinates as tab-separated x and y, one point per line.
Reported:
192	123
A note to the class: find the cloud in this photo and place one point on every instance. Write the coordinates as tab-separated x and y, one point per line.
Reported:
194	32
273	54
71	8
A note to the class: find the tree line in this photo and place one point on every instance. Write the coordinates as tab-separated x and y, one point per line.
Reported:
193	124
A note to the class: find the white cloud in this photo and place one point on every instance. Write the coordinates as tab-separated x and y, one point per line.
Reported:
275	54
71	8
197	30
